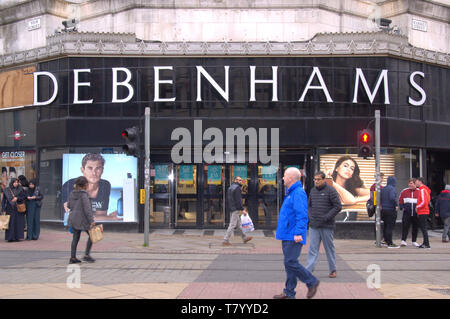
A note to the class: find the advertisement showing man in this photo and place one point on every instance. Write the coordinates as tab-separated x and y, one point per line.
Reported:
106	194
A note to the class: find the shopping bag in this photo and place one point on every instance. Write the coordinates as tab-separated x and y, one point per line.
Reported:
96	233
4	222
66	218
247	224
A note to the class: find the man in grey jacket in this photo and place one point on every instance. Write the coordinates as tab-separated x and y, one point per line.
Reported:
323	206
234	201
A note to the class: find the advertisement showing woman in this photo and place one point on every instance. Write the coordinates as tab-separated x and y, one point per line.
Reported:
348	183
352	176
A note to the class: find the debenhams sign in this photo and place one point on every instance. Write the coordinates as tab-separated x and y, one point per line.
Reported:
224	90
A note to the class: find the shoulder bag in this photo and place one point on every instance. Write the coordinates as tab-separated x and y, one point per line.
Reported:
21	208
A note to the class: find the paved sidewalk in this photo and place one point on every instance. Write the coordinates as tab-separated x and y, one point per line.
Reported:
190	264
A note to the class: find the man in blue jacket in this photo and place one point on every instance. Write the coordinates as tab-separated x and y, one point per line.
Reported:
291	230
389	207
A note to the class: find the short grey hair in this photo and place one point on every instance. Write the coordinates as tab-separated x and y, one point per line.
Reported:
294	172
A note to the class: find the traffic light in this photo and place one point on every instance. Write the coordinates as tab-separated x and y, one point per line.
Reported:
365	143
131	146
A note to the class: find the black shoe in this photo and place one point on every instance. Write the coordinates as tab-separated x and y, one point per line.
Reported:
425	246
74	261
282	296
393	246
312	291
88	259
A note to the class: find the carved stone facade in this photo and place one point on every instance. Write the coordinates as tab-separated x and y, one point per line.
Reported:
26	25
344	44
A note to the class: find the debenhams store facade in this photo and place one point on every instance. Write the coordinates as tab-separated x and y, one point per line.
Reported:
220	110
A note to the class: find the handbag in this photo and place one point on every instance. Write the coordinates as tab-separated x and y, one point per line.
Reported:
21	208
4	222
371	208
96	233
247	224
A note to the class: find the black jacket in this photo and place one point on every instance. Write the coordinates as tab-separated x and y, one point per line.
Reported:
234	197
323	205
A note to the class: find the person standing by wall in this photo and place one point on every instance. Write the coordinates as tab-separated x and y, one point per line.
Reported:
34	203
323	206
291	230
81	218
234	201
443	210
423	210
408	202
389	208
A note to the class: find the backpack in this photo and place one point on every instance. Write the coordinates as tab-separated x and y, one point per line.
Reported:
371	208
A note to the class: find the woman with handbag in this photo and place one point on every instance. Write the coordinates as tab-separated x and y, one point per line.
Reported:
13	202
34	203
81	218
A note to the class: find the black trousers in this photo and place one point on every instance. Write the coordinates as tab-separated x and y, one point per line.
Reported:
76	239
407	221
388	217
423	227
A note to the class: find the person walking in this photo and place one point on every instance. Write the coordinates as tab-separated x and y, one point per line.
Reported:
34	203
423	210
291	230
408	202
389	208
234	201
443	210
81	218
13	195
323	206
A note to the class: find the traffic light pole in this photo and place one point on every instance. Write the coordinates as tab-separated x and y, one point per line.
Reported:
378	178
147	177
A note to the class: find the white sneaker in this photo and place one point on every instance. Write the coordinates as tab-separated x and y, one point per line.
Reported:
403	243
415	244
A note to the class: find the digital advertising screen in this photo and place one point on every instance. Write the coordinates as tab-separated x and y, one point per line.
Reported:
112	184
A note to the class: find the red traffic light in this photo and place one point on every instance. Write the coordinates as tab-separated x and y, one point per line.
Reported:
365	143
130	133
365	138
131	136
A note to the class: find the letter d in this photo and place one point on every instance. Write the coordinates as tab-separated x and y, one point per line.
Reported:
36	90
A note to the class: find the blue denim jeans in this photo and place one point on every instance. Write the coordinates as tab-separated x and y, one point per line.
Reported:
294	270
316	235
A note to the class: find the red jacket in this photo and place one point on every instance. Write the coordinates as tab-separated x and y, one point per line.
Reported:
423	200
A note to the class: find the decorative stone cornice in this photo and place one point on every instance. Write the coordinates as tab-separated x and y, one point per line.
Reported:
323	44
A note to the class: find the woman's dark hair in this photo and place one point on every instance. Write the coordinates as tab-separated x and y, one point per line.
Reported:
355	181
33	181
80	183
23	180
11	182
